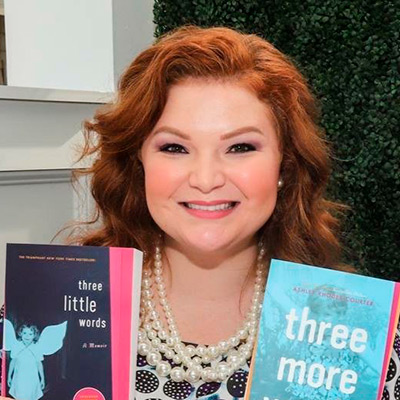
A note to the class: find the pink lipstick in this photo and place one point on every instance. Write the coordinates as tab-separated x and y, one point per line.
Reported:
210	209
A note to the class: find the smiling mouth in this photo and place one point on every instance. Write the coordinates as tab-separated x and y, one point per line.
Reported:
216	207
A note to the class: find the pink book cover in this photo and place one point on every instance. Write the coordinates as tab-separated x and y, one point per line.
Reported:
394	320
125	271
3	371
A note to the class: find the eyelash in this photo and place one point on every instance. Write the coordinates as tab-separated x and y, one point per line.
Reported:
245	148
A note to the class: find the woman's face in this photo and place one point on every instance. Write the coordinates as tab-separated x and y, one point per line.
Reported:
211	166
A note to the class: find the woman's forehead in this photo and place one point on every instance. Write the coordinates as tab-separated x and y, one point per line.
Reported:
213	106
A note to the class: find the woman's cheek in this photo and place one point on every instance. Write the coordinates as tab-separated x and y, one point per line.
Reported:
258	181
162	180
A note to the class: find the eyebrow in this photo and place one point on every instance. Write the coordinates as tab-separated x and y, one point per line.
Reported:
236	132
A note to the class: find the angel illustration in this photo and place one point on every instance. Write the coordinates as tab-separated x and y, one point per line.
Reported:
25	377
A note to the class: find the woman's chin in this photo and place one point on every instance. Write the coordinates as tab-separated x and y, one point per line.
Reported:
209	244
212	243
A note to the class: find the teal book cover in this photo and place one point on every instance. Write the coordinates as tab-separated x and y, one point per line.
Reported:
323	335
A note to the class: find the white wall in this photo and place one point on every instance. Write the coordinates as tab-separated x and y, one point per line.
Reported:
31	214
61	44
58	44
36	155
41	135
132	19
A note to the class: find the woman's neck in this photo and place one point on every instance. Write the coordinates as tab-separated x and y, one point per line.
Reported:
206	276
209	291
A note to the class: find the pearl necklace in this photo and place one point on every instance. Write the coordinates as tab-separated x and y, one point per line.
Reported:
154	340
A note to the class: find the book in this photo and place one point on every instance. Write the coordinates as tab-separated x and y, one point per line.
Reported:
323	334
71	322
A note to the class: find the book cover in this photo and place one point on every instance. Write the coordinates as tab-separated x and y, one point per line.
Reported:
323	335
71	316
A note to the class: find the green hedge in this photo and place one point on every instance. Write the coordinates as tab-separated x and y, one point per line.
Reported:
349	51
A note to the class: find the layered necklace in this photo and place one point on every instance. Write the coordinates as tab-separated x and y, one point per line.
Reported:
190	363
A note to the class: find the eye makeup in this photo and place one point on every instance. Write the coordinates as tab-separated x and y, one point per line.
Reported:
172	148
243	147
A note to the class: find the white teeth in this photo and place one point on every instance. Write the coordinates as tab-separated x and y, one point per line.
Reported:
218	207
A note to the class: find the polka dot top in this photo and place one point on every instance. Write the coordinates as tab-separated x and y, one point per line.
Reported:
150	386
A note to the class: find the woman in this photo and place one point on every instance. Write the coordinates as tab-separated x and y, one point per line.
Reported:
211	161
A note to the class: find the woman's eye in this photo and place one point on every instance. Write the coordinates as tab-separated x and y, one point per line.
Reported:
241	148
172	148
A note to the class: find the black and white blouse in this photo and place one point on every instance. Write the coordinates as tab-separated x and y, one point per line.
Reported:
150	386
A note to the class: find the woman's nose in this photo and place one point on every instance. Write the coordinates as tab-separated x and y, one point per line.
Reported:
206	173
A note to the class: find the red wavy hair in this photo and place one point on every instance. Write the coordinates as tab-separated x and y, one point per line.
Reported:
303	226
